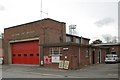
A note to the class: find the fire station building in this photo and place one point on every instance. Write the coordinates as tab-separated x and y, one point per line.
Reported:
45	43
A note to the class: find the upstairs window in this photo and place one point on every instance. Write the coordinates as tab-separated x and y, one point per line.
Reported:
68	39
77	40
87	53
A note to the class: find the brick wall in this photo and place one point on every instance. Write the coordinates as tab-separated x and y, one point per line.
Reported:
47	30
84	60
84	41
1	53
114	48
76	54
80	40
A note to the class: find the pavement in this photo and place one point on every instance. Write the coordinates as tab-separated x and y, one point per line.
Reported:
33	71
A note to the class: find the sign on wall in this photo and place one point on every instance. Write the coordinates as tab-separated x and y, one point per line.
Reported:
55	58
65	49
47	60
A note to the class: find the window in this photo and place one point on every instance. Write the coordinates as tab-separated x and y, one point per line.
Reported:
113	52
87	53
25	54
71	39
77	40
55	53
37	54
19	54
55	50
31	55
13	55
68	39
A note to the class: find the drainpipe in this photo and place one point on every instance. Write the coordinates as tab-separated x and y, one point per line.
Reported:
90	55
81	40
41	47
79	57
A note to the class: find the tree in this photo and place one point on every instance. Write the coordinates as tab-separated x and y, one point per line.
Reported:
107	37
98	41
110	39
114	39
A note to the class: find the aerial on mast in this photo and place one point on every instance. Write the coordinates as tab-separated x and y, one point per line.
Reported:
42	10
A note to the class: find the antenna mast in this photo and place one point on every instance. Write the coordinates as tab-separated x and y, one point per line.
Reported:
42	10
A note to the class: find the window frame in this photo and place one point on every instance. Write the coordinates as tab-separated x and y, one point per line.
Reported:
87	53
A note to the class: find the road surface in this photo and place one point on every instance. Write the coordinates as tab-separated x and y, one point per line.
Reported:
94	71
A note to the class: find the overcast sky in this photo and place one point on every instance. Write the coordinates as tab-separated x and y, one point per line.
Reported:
94	19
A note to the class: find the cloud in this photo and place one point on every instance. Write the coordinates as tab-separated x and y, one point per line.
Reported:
104	22
2	8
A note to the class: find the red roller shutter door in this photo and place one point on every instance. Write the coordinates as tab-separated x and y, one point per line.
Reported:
25	53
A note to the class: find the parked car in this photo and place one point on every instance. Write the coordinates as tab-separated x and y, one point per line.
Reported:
112	58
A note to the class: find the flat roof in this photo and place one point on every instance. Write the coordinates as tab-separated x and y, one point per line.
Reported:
107	44
64	44
77	36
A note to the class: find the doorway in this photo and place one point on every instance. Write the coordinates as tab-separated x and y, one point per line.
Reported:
99	56
93	57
